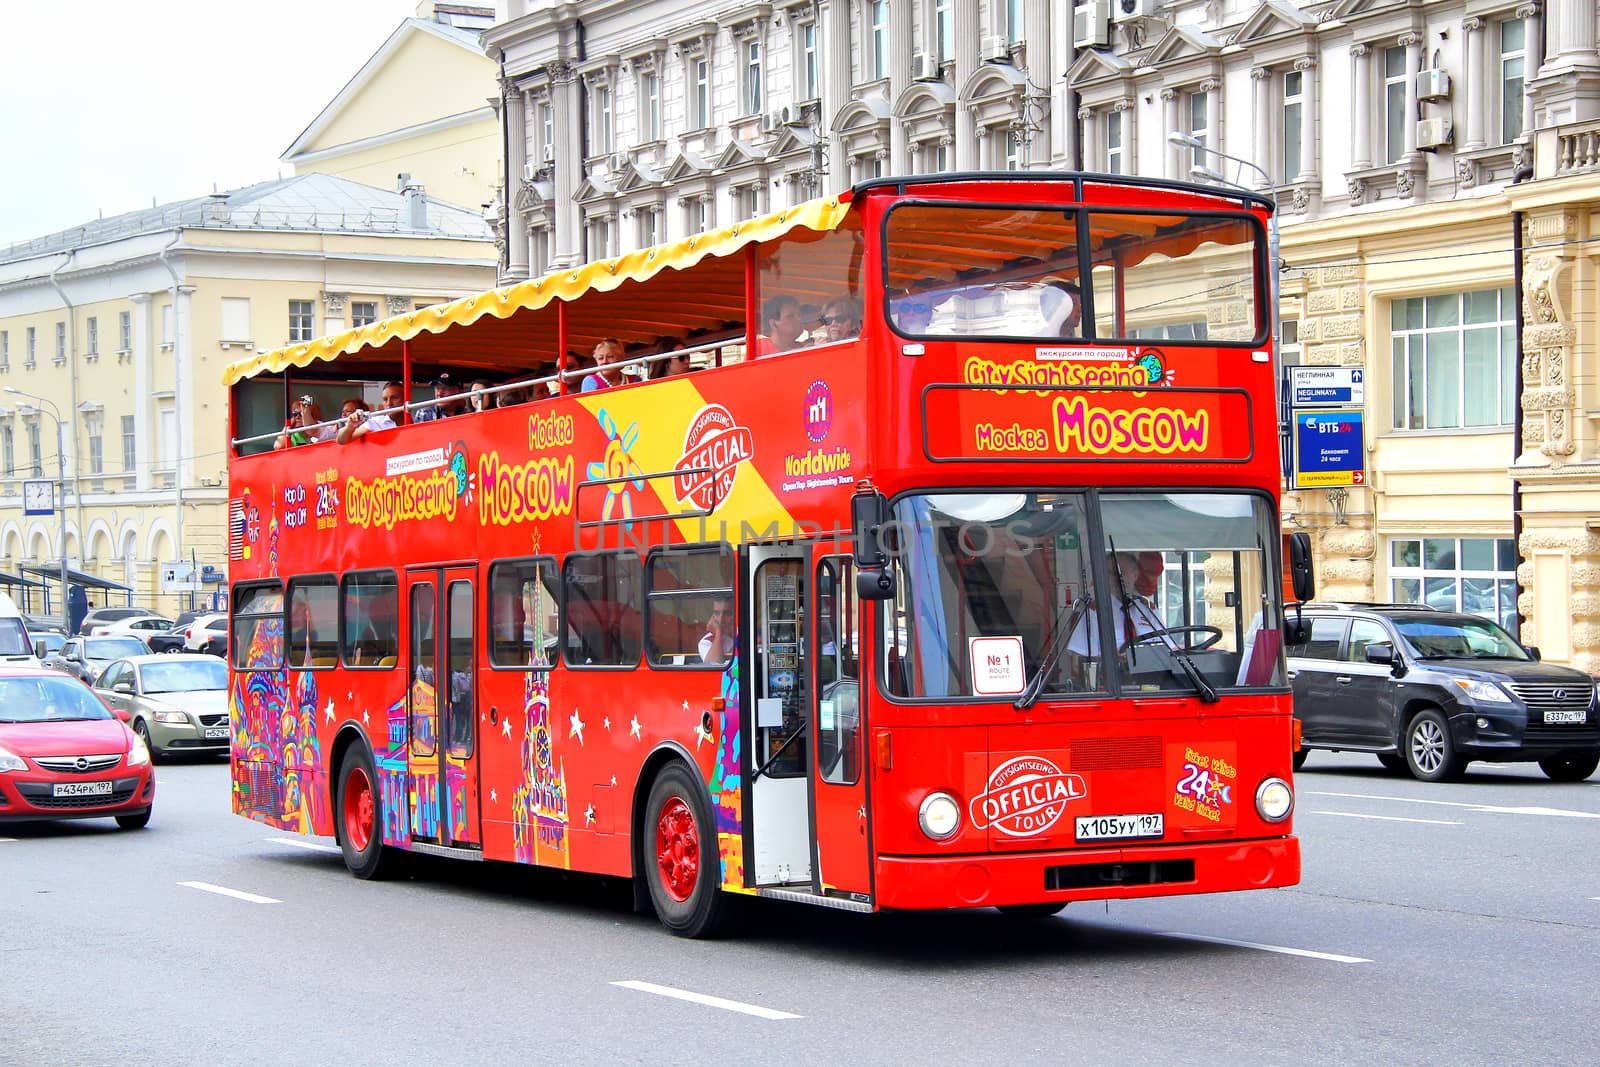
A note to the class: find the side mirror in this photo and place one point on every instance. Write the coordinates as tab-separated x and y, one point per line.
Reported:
1380	653
1532	651
1300	572
123	687
871	537
875	583
39	650
122	714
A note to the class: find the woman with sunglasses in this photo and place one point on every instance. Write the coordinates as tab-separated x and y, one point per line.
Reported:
841	321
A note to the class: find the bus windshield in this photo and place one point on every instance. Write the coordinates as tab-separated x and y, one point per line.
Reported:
1178	577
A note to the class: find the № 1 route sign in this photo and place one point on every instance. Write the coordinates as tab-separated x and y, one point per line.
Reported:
1328	449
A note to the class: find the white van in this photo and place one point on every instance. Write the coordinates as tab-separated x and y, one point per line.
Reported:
16	647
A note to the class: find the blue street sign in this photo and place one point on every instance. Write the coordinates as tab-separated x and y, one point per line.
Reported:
1328	450
1327	387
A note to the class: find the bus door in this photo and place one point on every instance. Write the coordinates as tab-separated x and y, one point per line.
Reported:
777	714
441	705
843	859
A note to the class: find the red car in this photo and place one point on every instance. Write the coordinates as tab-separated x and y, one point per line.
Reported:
65	755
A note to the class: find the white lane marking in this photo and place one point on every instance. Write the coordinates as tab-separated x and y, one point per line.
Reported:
295	842
1385	818
708	1001
1500	809
223	890
1280	949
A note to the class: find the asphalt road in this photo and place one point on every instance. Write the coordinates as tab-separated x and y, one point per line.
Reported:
1451	924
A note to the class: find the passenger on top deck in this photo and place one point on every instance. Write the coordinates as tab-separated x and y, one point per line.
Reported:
609	350
841	321
781	326
674	364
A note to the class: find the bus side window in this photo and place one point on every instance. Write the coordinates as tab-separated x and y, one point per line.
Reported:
690	590
603	596
256	643
313	622
371	611
524	614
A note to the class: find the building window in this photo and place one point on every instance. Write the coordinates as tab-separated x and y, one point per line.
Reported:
363	312
649	227
1290	354
1477	575
302	321
880	38
752	78
1455	360
696	214
35	452
1394	104
129	452
1013	150
8	451
125	331
93	348
944	30
1513	42
1114	142
808	61
1013	21
702	94
1293	116
547	130
599	230
5	348
97	454
61	342
33	345
1199	127
650	107
602	120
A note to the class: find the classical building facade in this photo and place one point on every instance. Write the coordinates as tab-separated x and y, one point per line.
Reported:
420	105
1437	167
119	331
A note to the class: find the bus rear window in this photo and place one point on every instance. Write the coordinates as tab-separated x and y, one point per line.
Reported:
1173	278
257	640
314	622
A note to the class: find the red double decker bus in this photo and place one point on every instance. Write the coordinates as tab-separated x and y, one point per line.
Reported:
912	548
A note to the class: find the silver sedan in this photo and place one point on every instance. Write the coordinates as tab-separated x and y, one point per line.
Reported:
175	703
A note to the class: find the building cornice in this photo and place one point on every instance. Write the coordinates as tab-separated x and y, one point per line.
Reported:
421	129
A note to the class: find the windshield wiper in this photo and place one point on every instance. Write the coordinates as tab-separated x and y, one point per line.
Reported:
1052	653
1203	689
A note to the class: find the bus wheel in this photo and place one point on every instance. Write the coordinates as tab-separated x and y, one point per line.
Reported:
358	818
680	860
1031	911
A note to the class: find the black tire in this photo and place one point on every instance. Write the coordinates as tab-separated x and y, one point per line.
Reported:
1031	911
1393	761
1570	766
1300	758
136	821
143	733
365	854
1431	754
679	858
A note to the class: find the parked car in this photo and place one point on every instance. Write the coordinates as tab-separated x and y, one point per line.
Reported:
167	641
1430	691
43	624
101	616
216	644
174	702
48	643
86	657
140	627
64	755
202	630
16	647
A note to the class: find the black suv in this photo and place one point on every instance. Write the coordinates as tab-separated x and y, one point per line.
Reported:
1429	691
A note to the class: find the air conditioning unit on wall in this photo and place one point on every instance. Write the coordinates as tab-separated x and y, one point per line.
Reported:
1127	10
925	68
1434	133
1091	24
1433	84
996	49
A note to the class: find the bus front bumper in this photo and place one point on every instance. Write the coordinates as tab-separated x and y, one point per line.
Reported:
995	879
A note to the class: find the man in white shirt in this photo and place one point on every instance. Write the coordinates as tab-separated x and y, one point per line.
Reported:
1128	624
717	644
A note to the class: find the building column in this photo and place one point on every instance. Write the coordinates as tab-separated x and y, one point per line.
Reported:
333	305
1261	115
1361	80
1476	93
835	18
1307	66
143	454
1130	134
1093	154
1169	124
902	42
1534	38
966	32
183	394
515	110
568	164
1037	103
1412	42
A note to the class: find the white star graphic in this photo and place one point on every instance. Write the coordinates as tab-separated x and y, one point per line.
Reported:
686	707
634	727
365	719
588	814
493	798
613	779
576	727
328	711
606	722
505	727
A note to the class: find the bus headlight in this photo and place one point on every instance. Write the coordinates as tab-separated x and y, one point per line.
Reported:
939	816
1274	799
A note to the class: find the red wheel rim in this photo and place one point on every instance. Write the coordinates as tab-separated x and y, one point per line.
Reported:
358	809
677	849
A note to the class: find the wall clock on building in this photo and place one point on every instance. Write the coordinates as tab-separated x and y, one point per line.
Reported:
38	498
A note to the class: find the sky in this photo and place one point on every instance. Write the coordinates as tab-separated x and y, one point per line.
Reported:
105	104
